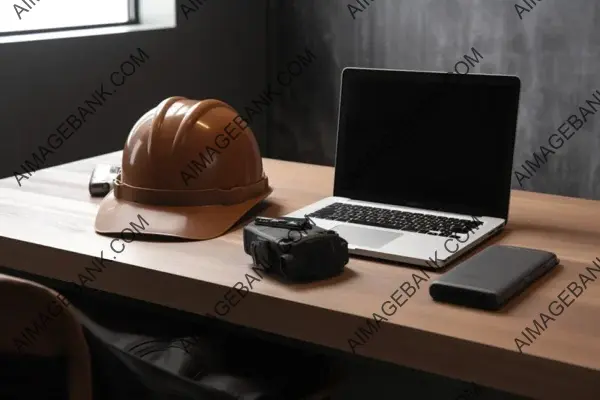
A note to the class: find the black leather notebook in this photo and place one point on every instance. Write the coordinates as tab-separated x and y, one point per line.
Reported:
489	279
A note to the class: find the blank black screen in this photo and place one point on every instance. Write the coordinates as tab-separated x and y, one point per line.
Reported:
427	140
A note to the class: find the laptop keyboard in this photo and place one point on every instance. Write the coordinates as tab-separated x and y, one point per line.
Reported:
401	220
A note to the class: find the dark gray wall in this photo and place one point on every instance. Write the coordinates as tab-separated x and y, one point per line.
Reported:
219	52
555	49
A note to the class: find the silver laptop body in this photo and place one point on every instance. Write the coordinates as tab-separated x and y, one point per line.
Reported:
397	105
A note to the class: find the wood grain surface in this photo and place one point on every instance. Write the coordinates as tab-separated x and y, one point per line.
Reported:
46	228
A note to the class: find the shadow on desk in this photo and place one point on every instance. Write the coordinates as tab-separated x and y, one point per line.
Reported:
347	275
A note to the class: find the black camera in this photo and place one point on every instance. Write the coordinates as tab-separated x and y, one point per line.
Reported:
295	249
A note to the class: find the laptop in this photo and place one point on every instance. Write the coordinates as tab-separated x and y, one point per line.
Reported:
423	163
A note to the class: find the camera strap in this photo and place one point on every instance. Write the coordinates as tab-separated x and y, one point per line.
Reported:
259	250
262	255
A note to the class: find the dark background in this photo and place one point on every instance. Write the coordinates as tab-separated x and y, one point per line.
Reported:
555	50
219	52
231	49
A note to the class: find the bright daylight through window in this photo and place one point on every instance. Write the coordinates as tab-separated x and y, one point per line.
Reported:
20	16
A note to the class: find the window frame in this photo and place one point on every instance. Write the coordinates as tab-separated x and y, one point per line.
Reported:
134	19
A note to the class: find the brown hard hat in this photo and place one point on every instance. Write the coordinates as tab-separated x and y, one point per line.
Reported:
190	169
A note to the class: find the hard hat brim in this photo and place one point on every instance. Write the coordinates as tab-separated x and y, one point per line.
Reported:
190	222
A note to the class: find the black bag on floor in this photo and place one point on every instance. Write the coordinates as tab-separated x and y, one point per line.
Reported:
137	355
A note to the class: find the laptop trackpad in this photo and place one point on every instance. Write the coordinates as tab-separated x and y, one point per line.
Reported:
365	237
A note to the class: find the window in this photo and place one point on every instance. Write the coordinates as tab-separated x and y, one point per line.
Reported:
21	16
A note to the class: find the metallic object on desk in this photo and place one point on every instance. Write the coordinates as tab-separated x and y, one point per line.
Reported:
102	179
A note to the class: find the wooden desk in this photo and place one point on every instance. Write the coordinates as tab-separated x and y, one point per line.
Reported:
46	228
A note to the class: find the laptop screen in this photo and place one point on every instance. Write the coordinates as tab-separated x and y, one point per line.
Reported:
428	140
